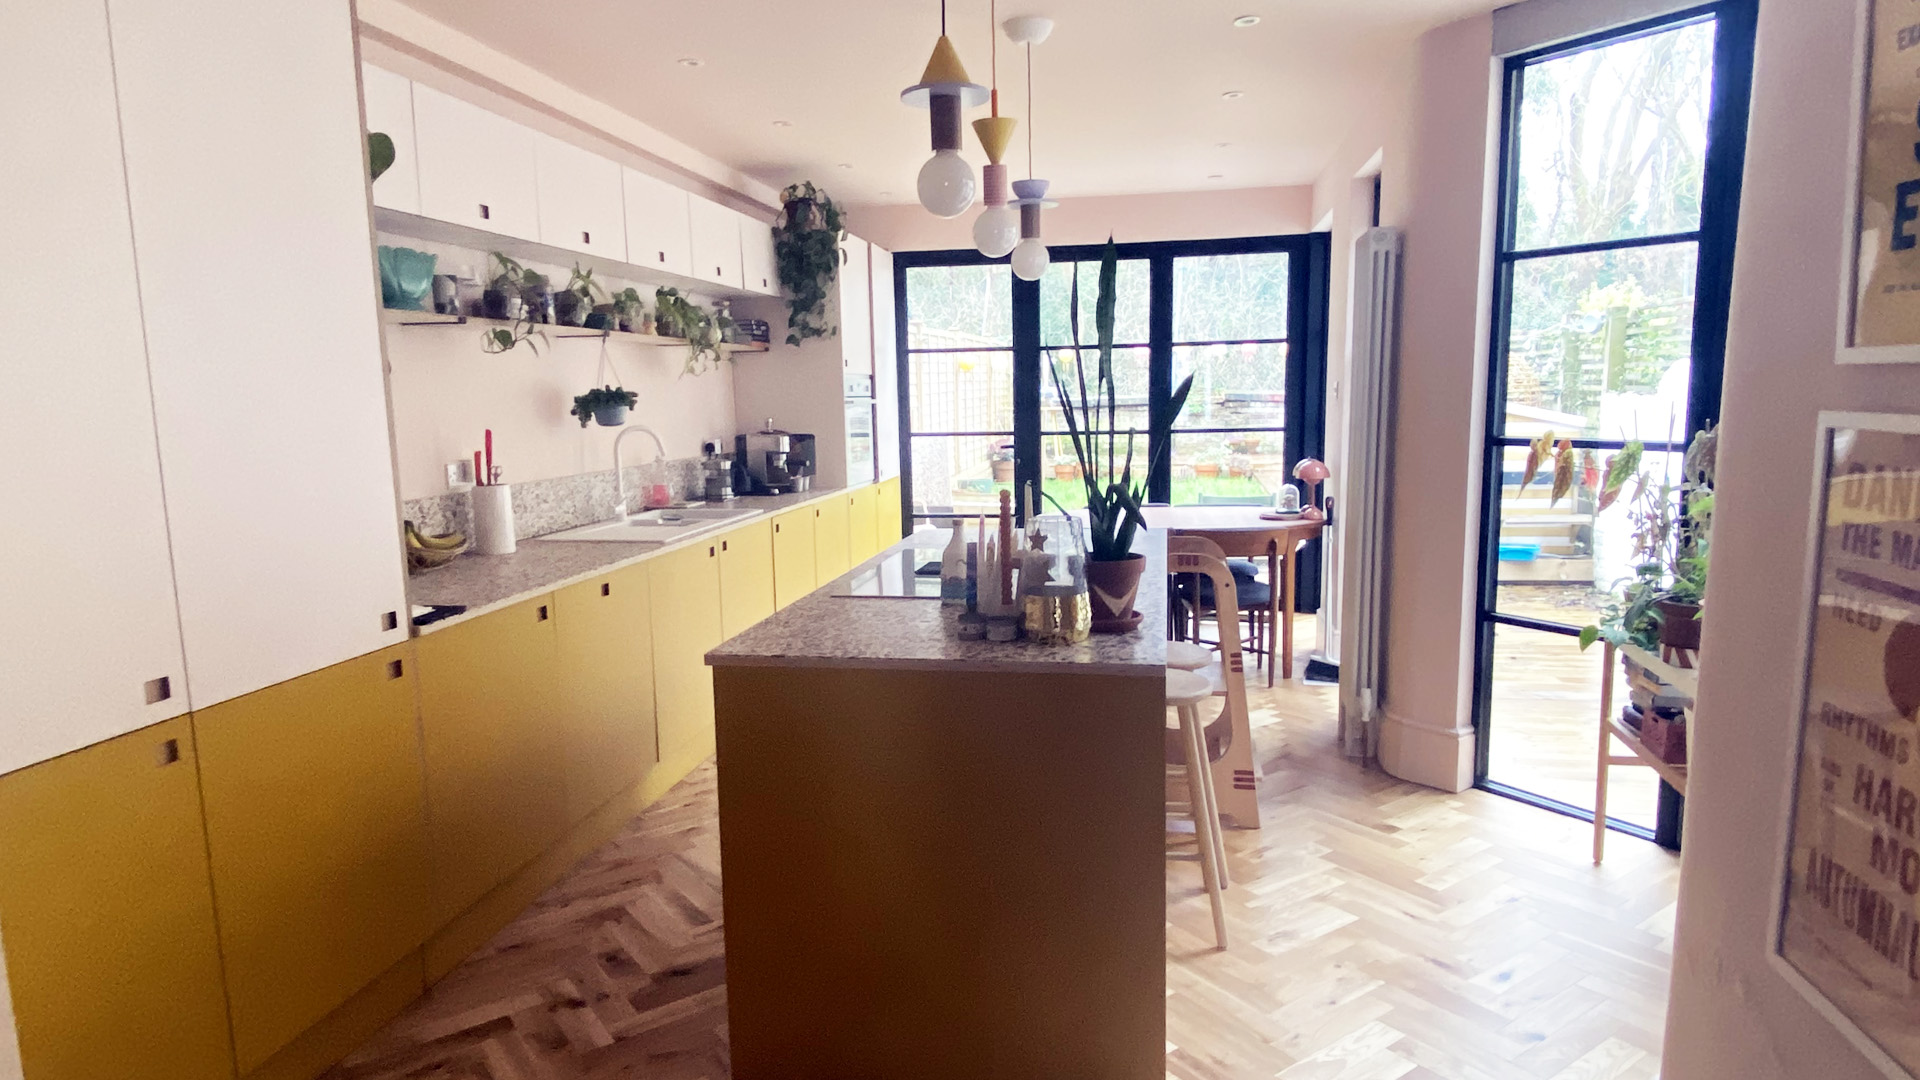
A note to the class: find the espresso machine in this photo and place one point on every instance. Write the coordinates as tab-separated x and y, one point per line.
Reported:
775	462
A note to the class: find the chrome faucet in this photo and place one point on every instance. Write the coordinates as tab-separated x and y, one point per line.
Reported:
620	474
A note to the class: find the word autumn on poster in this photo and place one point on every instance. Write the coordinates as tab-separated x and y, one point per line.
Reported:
1851	922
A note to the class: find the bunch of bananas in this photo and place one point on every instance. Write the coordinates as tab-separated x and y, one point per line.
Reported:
428	552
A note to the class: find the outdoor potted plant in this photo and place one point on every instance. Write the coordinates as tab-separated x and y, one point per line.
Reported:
606	406
1113	495
1206	465
1659	606
806	249
573	304
1000	459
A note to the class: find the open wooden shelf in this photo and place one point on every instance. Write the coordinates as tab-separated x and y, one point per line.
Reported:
1684	680
398	317
1672	774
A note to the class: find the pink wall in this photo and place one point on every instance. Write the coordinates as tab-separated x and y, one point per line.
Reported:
1731	1015
1189	215
1427	735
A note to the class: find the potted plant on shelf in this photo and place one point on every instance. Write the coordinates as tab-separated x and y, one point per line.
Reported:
606	406
504	299
682	318
1659	606
1113	495
628	309
806	248
573	304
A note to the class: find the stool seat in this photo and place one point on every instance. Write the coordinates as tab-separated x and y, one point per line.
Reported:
1186	656
1187	688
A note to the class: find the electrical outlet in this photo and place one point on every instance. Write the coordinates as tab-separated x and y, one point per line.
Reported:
460	476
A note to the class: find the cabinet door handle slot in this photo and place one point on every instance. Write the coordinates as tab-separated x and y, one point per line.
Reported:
390	621
541	615
396	669
486	213
606	588
586	237
159	690
167	753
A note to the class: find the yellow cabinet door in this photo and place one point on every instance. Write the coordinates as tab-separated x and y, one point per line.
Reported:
863	523
832	553
496	769
106	914
746	576
686	624
794	573
888	512
604	695
317	832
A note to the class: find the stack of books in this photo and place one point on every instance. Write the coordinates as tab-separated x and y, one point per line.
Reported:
754	330
1657	711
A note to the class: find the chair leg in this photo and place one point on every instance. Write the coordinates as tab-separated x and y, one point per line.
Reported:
1204	822
1213	811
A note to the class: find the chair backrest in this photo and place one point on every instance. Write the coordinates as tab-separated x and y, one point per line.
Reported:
1235	500
1199	555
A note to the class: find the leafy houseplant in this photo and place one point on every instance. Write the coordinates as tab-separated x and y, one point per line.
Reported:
572	305
806	246
628	309
681	317
1113	495
504	298
606	406
1660	602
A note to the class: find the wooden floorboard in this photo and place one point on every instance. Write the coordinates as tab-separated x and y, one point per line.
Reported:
1381	931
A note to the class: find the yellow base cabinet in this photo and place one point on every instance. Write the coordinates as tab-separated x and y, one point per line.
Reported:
496	769
832	550
888	513
686	624
604	695
863	523
746	577
317	833
107	916
794	572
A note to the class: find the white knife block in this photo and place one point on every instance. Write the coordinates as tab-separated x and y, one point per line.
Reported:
493	519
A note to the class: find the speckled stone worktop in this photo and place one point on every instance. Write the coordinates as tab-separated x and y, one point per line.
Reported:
484	583
825	630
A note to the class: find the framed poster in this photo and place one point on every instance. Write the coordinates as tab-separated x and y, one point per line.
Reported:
1847	928
1880	298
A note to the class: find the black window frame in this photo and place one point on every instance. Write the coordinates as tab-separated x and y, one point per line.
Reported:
1304	430
1715	235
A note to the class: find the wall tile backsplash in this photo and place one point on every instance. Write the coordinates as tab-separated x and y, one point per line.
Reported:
564	502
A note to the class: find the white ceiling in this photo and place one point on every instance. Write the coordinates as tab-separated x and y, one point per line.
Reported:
1128	91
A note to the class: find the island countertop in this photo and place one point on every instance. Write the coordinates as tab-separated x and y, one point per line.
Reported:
824	629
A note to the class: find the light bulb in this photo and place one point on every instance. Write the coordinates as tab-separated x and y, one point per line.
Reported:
946	184
996	231
1030	259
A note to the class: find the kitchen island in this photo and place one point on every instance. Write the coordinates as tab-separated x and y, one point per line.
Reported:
941	858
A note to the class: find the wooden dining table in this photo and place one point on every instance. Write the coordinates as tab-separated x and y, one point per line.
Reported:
1241	532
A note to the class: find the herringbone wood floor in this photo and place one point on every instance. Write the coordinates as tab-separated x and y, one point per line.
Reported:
1380	931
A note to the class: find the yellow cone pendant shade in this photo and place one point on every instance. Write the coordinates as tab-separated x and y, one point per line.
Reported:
945	75
994	133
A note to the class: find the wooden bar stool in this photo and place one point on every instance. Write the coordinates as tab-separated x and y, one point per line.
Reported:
1186	690
1228	733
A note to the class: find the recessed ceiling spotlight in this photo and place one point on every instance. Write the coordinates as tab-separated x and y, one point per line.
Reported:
1217	177
886	195
690	61
1234	95
1221	145
846	165
783	123
1245	21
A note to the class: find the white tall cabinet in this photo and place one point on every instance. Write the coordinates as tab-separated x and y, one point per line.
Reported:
84	574
246	174
476	169
886	365
389	105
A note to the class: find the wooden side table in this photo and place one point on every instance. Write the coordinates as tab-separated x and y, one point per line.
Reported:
1686	682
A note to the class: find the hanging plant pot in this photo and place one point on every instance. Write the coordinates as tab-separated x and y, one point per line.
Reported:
1112	587
799	213
610	415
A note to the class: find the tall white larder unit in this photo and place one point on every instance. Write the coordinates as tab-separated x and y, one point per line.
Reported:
388	103
246	174
886	364
89	646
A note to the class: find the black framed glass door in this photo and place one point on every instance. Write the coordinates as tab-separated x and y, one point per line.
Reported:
1246	317
1620	177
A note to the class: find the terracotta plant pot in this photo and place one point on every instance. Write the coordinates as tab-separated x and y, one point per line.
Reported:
1208	471
1112	588
1002	471
1066	472
1679	625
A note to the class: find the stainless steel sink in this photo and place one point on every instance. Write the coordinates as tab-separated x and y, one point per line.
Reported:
658	526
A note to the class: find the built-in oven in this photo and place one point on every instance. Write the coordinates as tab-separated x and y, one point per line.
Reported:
862	462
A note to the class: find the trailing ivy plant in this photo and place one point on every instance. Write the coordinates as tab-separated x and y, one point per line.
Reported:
806	244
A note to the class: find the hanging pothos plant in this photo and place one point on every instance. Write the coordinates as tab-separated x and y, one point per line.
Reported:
806	243
678	316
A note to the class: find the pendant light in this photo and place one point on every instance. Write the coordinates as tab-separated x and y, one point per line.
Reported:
997	229
1030	257
947	186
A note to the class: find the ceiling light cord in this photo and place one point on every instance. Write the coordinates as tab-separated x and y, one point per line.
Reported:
993	52
1029	110
943	18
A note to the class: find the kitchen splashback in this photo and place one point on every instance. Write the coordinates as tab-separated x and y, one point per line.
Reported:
547	506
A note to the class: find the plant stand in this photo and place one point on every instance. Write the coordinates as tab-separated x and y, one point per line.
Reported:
1684	682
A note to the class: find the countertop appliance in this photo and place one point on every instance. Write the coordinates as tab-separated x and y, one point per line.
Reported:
776	461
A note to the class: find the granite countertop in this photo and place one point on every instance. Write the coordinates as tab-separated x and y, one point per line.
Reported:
486	583
825	630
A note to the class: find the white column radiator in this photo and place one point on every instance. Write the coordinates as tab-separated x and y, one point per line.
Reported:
1369	449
